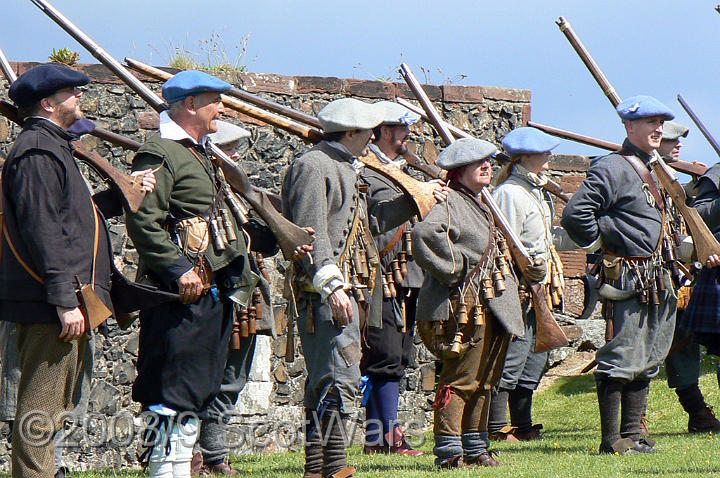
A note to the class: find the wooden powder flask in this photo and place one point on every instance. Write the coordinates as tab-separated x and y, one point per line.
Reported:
461	315
502	246
356	290
262	267
660	282
359	263
654	297
456	345
402	259
244	323
386	289
498	281
217	239
227	223
236	207
407	243
252	320
310	320
235	337
391	285
396	273
502	264
479	315
643	296
487	289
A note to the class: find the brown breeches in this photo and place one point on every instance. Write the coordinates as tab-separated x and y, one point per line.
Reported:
465	382
49	370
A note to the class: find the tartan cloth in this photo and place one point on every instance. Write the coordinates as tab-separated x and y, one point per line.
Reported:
702	315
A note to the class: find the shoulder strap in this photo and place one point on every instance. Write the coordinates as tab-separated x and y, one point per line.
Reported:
645	175
4	233
491	228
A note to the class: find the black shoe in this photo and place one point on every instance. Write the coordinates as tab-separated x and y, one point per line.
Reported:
62	472
643	445
703	421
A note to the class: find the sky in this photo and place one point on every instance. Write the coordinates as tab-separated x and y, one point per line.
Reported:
655	47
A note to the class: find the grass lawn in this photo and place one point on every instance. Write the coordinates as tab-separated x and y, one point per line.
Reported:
568	410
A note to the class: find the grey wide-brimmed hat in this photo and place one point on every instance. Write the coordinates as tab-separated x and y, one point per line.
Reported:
348	114
396	114
465	151
227	133
674	130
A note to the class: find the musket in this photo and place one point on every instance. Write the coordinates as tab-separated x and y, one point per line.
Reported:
551	186
595	70
695	168
6	68
130	188
239	94
701	126
549	333
303	130
704	241
288	235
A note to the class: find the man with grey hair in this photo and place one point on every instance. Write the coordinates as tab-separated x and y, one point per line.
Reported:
183	345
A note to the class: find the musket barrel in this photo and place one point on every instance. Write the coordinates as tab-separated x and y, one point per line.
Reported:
701	126
589	61
103	57
290	125
422	97
242	95
288	234
580	138
6	68
457	132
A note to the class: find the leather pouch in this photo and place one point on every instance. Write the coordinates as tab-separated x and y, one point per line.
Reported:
612	268
193	234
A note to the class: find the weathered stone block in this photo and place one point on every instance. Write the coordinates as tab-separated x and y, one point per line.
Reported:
318	84
370	89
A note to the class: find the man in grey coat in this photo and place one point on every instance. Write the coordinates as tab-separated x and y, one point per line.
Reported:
617	209
339	286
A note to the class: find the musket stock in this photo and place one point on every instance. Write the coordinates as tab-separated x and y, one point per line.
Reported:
303	130
549	333
289	235
130	189
420	192
704	241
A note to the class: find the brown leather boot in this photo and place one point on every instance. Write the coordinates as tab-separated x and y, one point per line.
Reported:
486	459
222	469
398	445
703	421
196	464
347	472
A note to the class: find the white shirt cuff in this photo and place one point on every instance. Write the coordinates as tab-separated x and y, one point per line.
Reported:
327	279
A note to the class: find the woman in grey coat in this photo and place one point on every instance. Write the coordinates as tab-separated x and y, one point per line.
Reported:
468	306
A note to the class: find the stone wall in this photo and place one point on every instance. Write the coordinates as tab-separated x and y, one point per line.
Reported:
268	413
